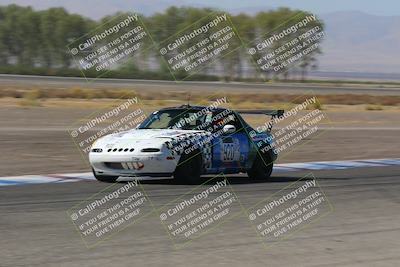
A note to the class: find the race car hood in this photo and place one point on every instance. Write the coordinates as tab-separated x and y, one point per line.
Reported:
141	137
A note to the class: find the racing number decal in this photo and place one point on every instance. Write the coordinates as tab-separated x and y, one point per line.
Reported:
230	150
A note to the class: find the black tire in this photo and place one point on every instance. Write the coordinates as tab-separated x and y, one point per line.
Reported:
105	178
189	168
262	167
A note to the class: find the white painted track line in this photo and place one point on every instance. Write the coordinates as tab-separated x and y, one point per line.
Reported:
286	167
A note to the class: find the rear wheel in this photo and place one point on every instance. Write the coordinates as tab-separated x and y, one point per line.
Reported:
262	167
189	168
105	178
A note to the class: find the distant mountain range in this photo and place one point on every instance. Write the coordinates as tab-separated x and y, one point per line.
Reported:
358	42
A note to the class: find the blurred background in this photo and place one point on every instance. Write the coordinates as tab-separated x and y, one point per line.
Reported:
360	43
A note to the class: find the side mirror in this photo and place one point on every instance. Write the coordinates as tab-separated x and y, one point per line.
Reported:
228	129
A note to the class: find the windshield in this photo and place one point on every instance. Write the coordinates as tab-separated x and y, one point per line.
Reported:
175	119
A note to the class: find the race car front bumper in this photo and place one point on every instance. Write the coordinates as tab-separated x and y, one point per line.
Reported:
133	164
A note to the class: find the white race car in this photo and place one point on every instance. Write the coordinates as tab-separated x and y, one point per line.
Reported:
184	143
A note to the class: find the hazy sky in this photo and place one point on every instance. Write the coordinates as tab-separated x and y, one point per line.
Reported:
98	8
384	7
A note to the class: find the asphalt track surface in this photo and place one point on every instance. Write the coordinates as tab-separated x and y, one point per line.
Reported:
362	229
287	88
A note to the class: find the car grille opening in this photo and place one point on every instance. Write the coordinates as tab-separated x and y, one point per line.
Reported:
114	165
150	150
136	165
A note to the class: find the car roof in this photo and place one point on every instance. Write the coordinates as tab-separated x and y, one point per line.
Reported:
189	107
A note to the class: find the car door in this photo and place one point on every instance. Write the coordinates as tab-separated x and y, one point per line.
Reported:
231	150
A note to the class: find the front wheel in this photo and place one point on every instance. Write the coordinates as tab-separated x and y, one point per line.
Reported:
189	168
105	178
262	167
